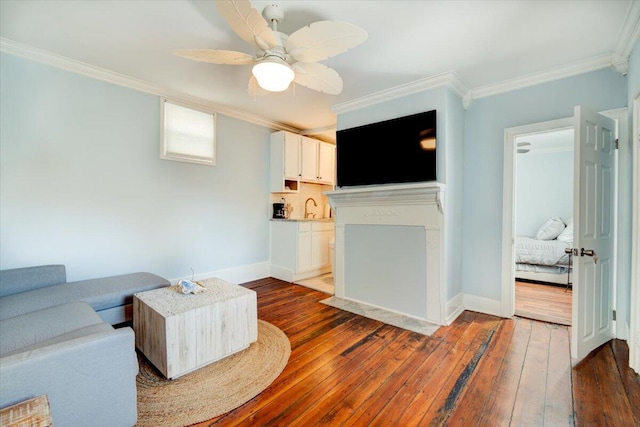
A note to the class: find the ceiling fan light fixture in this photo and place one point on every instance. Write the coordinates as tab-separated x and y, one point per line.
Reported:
273	74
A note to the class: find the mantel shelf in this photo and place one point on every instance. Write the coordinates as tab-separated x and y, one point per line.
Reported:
389	195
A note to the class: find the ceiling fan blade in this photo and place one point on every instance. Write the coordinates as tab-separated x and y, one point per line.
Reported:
247	22
216	56
323	39
317	77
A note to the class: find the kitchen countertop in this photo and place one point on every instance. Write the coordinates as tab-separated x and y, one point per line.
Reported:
303	220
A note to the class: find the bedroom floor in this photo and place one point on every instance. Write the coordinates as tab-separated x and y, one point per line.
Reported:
322	283
543	302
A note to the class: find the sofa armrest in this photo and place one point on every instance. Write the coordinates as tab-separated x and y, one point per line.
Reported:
89	380
24	279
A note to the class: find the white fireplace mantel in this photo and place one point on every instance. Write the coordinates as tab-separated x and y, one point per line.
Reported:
398	266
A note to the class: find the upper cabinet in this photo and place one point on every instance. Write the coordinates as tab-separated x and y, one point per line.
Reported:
296	158
285	162
291	155
318	161
326	163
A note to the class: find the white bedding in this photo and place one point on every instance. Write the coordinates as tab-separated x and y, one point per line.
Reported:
535	268
541	252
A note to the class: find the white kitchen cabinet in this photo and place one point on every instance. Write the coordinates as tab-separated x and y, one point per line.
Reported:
318	161
326	163
296	158
285	162
320	254
309	159
292	155
300	249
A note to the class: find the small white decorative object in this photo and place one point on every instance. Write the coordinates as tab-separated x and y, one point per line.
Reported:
189	287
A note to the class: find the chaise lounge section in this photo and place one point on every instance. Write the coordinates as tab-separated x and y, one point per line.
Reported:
57	340
23	290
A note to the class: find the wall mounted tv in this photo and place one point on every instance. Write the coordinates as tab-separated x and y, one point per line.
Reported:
401	150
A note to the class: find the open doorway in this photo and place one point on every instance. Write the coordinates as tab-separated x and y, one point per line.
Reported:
595	227
543	207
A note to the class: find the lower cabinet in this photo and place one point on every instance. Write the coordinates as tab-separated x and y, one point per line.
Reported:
300	249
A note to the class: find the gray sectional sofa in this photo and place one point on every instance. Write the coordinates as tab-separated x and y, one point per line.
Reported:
57	338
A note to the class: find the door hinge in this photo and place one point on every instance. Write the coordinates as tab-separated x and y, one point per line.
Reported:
617	144
614	315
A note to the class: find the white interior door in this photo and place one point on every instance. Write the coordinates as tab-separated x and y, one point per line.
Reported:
593	231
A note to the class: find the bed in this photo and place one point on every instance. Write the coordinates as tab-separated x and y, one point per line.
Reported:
543	258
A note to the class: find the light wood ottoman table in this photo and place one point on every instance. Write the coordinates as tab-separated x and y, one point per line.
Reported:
180	333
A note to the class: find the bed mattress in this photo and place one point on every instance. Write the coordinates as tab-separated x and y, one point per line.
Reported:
541	252
550	269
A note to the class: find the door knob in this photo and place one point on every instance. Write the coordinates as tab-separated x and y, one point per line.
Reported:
589	252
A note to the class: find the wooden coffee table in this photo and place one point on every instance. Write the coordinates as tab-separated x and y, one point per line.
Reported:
179	333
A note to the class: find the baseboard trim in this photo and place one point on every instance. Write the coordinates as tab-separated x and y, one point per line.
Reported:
482	304
241	274
455	306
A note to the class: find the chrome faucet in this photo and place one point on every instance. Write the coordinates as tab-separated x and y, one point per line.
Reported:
306	212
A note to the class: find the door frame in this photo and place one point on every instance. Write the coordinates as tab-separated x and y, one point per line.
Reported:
634	312
507	300
507	297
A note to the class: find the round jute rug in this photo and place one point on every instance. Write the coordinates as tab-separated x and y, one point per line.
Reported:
214	389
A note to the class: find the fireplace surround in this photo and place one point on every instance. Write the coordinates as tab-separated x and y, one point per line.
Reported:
389	248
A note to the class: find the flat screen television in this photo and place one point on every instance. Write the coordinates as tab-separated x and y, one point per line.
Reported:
401	150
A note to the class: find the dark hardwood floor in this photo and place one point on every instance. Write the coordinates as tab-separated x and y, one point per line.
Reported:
481	370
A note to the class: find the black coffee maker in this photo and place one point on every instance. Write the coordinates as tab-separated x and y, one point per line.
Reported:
278	210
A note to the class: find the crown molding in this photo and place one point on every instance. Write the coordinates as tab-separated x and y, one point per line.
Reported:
574	69
67	64
628	37
630	31
449	79
316	131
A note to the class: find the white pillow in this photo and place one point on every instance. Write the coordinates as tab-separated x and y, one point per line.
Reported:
567	233
550	229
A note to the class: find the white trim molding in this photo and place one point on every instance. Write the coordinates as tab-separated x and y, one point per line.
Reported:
483	305
67	64
507	302
449	79
236	275
621	118
455	306
634	321
630	31
581	67
416	205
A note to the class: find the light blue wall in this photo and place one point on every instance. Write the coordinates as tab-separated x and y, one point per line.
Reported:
454	149
450	135
82	182
485	122
544	188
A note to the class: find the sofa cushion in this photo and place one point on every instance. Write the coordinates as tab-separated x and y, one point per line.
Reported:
76	333
101	294
17	280
39	326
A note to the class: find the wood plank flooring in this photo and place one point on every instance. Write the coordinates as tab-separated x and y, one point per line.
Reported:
543	302
481	370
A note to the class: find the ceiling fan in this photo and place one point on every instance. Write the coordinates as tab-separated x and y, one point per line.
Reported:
281	59
523	150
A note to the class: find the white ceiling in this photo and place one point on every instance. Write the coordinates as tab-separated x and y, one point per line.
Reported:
483	42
